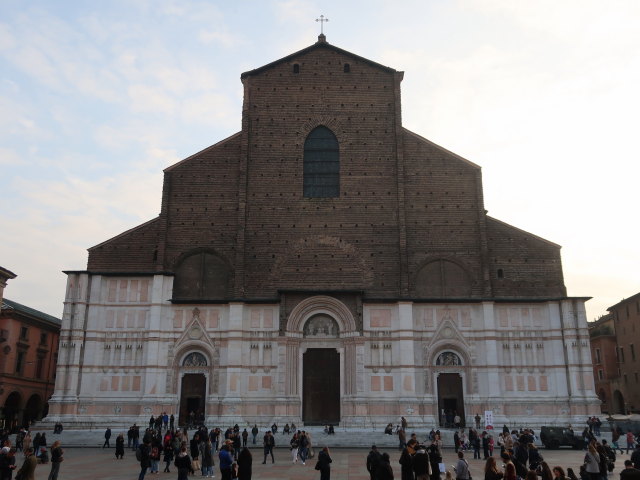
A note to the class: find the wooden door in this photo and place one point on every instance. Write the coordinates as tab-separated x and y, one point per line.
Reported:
321	386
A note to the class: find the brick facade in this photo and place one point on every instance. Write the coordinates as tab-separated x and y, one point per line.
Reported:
400	270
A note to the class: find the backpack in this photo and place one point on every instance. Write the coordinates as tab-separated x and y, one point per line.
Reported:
139	454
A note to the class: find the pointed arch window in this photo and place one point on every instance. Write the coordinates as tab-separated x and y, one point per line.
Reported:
202	276
321	164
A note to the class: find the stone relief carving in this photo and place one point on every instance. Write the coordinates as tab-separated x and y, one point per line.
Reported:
321	326
448	359
195	359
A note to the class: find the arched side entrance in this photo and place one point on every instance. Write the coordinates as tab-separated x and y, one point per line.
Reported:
33	410
617	403
450	390
12	411
193	390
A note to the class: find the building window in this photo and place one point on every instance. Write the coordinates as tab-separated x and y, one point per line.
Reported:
20	362
296	68
633	353
24	333
321	164
621	354
347	68
598	360
600	375
39	367
500	273
43	339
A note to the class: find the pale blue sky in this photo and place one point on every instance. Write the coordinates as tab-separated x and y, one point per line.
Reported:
96	98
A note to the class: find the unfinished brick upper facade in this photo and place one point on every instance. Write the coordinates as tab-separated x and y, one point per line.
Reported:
404	202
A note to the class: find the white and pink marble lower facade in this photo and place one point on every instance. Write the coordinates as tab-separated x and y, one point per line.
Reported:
123	348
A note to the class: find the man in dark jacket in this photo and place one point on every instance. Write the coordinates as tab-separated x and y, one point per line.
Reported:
421	463
373	461
145	459
629	473
268	442
107	436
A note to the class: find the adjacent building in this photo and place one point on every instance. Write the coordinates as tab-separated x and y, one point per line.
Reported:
323	265
28	352
615	339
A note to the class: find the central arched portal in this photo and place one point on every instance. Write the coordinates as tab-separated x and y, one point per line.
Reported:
450	399
192	398
321	386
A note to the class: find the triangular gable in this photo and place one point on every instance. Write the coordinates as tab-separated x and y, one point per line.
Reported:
194	332
321	43
435	145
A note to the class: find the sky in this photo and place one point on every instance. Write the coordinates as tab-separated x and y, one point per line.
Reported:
97	98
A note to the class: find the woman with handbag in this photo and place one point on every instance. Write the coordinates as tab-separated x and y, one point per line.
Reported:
324	464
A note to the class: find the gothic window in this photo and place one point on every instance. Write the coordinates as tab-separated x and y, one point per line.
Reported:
296	68
202	276
442	279
347	68
195	359
446	359
321	164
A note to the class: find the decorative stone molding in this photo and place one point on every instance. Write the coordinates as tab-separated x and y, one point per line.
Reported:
321	304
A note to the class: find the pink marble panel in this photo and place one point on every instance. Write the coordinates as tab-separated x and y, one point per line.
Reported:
520	382
388	383
104	384
112	286
120	319
122	292
255	318
133	291
110	316
407	383
135	385
503	317
115	383
531	383
253	384
177	318
427	316
508	383
126	383
268	318
266	382
543	383
375	383
380	318
144	290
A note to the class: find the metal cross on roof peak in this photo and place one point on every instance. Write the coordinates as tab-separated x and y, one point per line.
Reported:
322	20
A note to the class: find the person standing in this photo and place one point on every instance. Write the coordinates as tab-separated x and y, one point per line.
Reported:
324	464
226	462
28	469
385	471
373	462
183	464
107	436
244	464
56	459
462	467
7	464
294	444
245	436
254	432
268	443
421	464
120	446
629	473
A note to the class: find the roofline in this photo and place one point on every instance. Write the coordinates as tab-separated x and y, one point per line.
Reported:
318	44
171	167
421	138
625	300
31	312
8	274
125	233
524	231
119	273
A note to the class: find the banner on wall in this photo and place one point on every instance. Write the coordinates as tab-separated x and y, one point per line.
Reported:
488	419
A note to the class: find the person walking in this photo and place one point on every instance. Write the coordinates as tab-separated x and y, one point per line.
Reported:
384	471
56	459
324	464
462	467
107	436
373	462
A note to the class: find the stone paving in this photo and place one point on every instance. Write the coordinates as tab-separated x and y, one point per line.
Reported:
348	464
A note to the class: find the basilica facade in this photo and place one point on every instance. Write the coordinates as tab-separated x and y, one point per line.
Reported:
323	265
